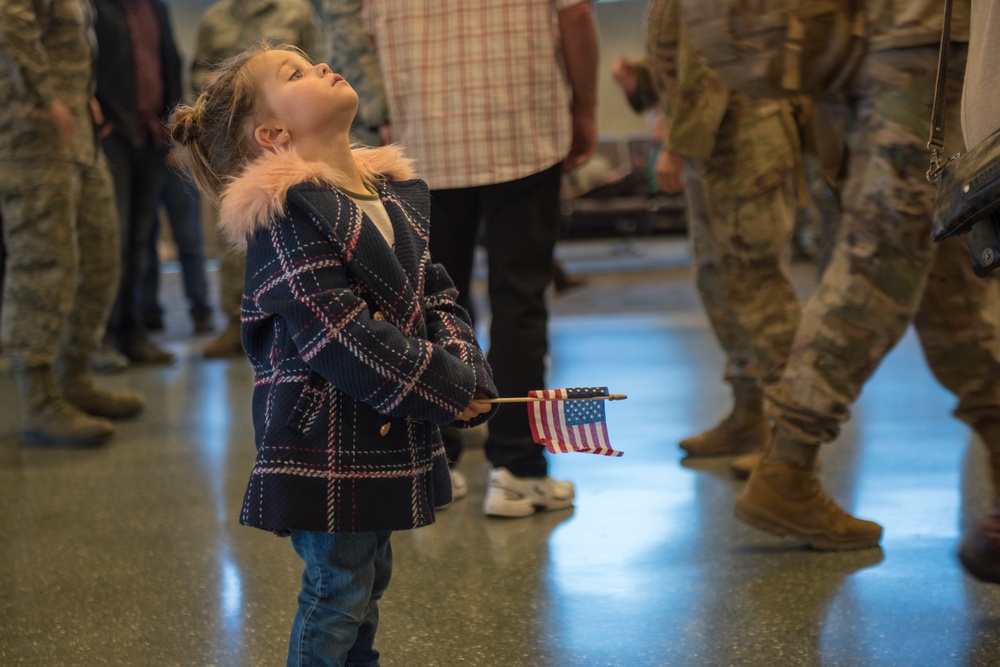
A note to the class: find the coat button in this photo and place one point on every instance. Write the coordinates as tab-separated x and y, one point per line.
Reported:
378	316
384	431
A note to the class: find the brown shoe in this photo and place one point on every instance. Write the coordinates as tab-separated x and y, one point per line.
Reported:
228	344
742	467
980	551
784	500
728	438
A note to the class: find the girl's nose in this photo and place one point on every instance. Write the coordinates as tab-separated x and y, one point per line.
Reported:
323	69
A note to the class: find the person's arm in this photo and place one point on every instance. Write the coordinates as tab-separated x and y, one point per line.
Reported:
450	326
581	46
22	36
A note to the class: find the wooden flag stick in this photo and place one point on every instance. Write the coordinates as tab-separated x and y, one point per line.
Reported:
532	399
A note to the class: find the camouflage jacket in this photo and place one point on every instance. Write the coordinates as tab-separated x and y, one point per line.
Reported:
351	53
46	53
692	97
231	26
895	24
751	143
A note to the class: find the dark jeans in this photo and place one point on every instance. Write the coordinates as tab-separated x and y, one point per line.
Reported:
520	221
179	197
138	175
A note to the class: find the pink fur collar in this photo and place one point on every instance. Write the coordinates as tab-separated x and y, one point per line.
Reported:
256	198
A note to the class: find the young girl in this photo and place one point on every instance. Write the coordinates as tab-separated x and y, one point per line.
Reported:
358	347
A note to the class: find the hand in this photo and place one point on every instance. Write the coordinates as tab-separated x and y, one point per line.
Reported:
584	140
475	408
385	133
670	172
625	75
62	119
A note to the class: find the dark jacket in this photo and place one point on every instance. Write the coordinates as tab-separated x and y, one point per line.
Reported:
359	351
116	78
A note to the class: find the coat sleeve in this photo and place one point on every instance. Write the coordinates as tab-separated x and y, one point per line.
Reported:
450	327
298	288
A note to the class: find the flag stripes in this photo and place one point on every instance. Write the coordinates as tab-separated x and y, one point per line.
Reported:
570	425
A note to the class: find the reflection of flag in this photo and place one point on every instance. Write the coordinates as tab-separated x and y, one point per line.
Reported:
570	425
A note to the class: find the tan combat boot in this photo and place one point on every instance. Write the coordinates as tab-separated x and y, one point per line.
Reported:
745	429
49	420
786	500
228	344
77	386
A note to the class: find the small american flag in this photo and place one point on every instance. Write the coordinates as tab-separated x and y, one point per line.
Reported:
570	425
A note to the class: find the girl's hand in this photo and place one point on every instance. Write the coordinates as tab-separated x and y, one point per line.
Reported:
475	408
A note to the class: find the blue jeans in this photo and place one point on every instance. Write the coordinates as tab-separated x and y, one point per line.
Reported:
344	577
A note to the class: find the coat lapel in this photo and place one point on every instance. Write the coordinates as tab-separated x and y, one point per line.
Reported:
393	279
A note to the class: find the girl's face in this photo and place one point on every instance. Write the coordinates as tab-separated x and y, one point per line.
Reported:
306	101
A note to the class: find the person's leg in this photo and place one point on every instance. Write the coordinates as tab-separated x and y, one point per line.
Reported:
148	167
867	298
97	238
231	277
181	201
39	212
148	289
455	219
746	428
344	577
521	223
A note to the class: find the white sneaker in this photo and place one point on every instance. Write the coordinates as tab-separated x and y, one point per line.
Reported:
512	496
459	488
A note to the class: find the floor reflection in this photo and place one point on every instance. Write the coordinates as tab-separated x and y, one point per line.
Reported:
131	555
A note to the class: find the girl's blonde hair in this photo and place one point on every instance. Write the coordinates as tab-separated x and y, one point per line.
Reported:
217	133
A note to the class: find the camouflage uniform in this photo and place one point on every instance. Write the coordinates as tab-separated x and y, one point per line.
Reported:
56	197
350	53
885	272
228	28
742	158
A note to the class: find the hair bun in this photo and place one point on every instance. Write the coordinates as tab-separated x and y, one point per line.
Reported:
184	125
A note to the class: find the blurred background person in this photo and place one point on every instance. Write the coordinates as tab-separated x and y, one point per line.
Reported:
885	273
492	123
226	29
351	53
138	83
181	204
60	227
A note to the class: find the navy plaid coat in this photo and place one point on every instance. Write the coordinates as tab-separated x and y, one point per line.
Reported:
359	352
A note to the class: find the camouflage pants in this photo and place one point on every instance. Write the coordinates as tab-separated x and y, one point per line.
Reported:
885	271
61	232
232	268
740	248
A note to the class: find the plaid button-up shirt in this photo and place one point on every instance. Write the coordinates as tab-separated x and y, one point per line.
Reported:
476	89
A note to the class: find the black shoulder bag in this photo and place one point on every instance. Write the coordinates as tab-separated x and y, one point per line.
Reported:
968	184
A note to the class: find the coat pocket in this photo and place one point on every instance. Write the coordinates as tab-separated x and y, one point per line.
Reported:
308	406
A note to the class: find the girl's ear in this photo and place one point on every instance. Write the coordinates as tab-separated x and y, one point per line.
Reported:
271	138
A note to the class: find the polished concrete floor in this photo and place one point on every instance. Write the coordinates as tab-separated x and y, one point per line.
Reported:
132	554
